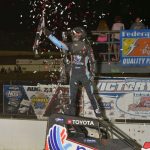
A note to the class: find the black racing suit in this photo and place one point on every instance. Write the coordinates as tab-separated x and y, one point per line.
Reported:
81	55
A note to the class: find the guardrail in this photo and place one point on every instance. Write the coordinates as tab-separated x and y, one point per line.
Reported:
110	52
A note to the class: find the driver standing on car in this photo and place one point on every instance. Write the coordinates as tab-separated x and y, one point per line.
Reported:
80	72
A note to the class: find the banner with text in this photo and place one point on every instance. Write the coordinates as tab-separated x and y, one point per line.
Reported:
40	100
125	98
135	47
120	98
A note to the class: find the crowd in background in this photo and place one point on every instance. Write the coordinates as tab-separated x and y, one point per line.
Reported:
102	49
24	41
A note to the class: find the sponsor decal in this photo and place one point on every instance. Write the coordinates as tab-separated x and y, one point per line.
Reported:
77	60
57	140
89	141
146	146
80	122
69	121
106	105
59	120
13	94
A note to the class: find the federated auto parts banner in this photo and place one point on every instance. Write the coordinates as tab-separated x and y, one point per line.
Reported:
40	100
135	47
125	98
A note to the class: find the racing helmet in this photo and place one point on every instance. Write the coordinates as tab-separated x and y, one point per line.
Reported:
78	34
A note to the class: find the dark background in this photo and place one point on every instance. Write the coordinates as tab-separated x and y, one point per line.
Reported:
19	18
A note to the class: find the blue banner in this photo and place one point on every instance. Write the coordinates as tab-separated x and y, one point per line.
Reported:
135	47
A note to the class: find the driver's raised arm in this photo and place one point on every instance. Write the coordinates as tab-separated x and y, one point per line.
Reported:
55	41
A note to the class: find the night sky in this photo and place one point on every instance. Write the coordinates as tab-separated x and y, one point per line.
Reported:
23	15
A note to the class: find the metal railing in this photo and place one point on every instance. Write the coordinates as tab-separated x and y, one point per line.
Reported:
110	52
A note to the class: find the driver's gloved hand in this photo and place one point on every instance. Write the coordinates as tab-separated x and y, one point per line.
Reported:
46	31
